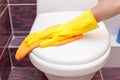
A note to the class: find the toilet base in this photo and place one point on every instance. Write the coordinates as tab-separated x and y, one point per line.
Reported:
87	77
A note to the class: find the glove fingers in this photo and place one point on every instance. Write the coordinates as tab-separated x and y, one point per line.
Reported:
40	35
32	38
24	49
50	42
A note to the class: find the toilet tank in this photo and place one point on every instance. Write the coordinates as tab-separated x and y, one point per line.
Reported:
64	5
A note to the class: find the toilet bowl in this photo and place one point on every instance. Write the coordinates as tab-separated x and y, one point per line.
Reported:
78	60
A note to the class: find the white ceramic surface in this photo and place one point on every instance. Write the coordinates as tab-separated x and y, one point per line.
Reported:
92	46
78	58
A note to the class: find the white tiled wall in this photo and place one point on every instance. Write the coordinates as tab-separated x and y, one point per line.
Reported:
113	24
64	5
114	60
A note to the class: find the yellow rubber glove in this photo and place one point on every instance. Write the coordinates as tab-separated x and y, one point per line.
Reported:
83	23
58	34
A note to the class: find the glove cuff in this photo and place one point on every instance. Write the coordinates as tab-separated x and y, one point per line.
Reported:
91	16
87	21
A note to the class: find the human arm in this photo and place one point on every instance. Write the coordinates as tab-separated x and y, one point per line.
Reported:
106	9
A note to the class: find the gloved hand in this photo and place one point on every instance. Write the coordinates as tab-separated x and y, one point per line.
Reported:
83	23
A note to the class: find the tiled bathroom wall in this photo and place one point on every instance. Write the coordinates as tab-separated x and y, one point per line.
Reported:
5	36
23	13
16	19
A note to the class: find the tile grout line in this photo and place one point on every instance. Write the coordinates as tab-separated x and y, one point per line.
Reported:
19	36
11	41
10	58
10	16
6	45
3	11
11	23
12	66
101	75
10	46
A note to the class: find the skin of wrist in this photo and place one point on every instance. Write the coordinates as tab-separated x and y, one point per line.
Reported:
106	9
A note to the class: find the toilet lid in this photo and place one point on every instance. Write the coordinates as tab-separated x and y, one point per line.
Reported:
93	45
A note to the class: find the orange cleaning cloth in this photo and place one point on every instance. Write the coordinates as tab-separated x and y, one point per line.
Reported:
24	49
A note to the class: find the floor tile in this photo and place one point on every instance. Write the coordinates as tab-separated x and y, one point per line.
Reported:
26	73
111	73
31	73
97	76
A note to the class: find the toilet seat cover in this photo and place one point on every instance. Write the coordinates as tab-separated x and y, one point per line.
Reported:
93	45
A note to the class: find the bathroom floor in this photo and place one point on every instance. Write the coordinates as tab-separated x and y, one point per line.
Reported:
31	73
26	73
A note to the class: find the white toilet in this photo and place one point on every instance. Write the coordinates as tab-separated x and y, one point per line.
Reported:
78	60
